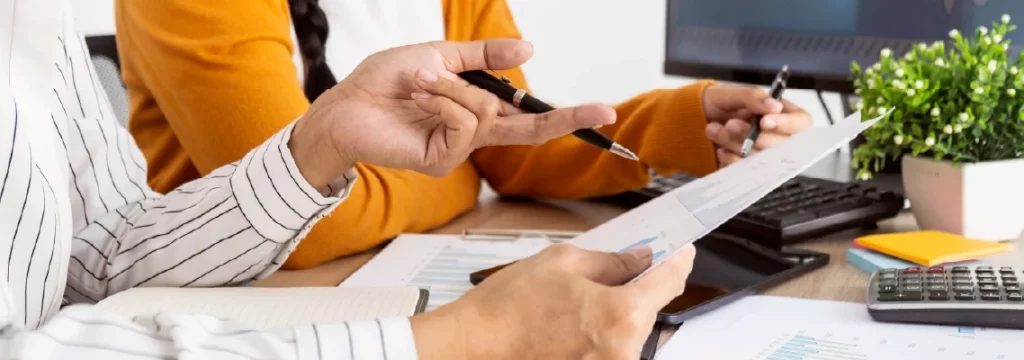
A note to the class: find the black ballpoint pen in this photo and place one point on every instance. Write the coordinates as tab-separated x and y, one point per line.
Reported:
778	86
520	99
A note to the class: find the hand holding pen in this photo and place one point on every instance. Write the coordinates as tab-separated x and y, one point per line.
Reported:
736	113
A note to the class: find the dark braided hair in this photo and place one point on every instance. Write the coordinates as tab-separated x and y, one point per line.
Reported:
310	24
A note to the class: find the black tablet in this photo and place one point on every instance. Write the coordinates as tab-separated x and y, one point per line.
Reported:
728	268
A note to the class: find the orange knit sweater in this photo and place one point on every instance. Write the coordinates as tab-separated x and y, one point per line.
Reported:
209	80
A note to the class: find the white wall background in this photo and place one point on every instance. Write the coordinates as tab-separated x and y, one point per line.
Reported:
605	51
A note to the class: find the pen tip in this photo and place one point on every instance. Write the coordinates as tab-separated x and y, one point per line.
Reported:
623	152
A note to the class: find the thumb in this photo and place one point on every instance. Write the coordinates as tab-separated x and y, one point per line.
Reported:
495	54
615	268
668	280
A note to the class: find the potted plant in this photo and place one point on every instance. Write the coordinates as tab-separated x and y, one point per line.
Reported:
957	127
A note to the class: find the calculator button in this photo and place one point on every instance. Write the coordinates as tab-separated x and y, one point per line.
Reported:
986	277
1014	288
1014	297
911	276
912	282
901	296
991	296
988	283
888	271
912	270
938	295
887	276
1006	270
963	282
961	270
886	289
912	288
936	270
983	270
936	276
988	288
936	287
1010	283
887	283
936	282
964	295
961	277
967	288
1009	277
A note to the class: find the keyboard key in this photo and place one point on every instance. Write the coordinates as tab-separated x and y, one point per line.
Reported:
936	287
886	289
936	270
1015	297
901	296
963	288
991	296
938	295
912	270
914	288
988	288
961	270
964	295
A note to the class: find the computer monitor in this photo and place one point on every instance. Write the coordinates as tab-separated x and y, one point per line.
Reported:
750	40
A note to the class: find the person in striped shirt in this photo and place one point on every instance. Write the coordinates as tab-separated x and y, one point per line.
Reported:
80	223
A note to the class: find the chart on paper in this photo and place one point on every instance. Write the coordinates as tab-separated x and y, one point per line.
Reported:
683	215
440	264
858	345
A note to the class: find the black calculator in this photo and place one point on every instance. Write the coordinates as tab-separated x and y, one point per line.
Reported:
959	295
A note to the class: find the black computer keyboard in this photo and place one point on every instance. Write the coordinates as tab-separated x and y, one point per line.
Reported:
801	209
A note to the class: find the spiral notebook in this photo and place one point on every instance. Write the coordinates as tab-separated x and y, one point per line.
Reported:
273	308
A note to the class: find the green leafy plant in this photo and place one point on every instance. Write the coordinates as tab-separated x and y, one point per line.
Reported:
963	104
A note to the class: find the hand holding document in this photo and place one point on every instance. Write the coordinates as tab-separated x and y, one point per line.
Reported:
681	216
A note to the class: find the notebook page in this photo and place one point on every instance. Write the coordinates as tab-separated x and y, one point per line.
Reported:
270	308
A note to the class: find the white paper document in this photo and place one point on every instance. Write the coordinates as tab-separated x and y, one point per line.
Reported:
439	263
683	215
777	328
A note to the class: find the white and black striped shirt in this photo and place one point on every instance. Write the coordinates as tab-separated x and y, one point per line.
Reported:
78	221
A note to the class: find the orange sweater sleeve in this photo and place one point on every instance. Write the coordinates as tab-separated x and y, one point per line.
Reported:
664	127
213	79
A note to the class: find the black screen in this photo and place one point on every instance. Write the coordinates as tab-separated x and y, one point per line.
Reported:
816	38
724	265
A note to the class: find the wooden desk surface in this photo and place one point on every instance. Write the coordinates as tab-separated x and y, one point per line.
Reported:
837	281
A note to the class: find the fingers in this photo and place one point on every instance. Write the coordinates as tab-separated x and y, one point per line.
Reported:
536	129
495	54
792	120
667	281
732	98
460	124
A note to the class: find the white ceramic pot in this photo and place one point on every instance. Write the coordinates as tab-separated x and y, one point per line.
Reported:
980	201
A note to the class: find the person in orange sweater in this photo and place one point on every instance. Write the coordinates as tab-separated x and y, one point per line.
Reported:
208	80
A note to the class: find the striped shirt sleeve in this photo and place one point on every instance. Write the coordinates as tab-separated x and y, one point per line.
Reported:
79	183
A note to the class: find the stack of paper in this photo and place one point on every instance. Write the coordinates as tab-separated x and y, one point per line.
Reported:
930	248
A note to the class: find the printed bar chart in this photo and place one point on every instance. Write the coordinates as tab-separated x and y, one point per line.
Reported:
801	347
447	275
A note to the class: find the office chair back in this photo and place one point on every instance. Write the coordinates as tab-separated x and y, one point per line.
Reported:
103	49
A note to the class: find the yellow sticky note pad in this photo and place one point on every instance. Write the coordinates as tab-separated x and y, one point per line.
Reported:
929	248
